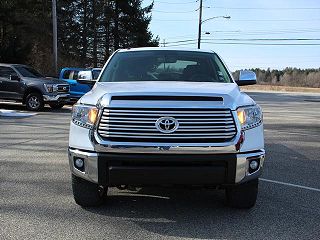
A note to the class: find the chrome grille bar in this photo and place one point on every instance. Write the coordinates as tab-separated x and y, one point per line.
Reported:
106	111
195	127
179	130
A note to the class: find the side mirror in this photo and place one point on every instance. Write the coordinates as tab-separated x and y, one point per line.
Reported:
14	78
86	81
247	78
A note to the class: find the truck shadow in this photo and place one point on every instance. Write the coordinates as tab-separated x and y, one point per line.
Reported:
202	213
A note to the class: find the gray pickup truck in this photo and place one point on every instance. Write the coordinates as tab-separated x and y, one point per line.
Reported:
24	84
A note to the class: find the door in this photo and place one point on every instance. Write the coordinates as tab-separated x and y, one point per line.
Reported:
10	89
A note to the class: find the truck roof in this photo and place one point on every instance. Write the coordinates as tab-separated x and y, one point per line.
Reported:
165	48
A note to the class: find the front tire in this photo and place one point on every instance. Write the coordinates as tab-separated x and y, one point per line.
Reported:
243	195
34	101
56	105
87	194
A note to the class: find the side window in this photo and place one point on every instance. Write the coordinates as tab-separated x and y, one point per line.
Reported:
5	72
75	75
66	74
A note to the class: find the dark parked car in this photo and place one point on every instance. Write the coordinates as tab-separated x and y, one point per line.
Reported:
24	84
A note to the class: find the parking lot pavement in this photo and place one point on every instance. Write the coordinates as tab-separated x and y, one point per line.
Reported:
36	199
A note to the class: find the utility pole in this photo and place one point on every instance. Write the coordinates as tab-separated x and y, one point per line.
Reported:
200	23
55	35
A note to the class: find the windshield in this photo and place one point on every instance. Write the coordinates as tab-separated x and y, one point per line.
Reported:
28	72
165	65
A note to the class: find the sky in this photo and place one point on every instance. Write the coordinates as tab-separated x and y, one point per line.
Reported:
252	21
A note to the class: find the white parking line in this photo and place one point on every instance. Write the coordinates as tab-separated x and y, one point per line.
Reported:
15	114
290	184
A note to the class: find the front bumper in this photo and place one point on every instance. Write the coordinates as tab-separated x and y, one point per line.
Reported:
113	169
75	96
56	98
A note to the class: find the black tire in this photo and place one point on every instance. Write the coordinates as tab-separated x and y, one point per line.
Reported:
87	194
34	101
243	195
56	105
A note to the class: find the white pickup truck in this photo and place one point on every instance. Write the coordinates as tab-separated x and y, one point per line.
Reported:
166	116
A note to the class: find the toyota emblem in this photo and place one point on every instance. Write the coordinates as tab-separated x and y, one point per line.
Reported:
167	124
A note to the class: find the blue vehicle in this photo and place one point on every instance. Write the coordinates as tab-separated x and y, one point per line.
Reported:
71	75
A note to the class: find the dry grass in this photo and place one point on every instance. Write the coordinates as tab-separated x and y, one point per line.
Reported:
280	88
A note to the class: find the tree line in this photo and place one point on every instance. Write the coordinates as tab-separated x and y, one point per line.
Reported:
289	76
88	31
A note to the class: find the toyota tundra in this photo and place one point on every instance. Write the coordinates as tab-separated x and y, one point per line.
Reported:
167	116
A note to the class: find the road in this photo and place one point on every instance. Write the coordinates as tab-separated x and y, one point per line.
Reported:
36	198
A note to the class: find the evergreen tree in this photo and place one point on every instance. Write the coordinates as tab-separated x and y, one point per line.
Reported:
88	31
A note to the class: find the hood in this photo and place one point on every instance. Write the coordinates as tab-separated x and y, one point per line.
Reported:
48	80
229	92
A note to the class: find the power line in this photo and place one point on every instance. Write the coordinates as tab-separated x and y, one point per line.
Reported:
174	12
257	8
264	31
269	44
183	36
266	39
239	20
275	20
250	44
248	39
175	20
262	34
176	3
297	32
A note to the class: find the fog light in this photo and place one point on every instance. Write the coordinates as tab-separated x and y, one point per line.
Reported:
254	165
79	164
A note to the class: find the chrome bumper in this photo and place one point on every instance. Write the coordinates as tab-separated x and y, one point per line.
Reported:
50	98
91	163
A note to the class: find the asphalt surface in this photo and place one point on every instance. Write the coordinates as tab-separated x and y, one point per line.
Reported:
36	199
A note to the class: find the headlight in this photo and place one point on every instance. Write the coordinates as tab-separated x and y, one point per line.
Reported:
84	116
249	117
50	88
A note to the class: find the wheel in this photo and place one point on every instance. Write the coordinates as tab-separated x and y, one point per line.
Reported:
87	194
243	195
56	105
34	101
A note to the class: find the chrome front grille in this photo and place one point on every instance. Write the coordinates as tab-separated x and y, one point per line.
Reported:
139	125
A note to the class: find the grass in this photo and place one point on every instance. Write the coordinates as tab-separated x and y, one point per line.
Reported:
280	88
